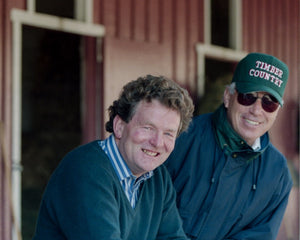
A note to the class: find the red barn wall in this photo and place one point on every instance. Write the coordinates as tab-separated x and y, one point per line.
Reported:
156	37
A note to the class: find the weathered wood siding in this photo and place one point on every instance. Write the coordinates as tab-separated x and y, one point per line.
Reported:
156	36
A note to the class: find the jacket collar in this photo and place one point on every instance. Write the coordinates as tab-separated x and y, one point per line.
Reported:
231	143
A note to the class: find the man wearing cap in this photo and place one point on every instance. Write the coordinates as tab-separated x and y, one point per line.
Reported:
231	182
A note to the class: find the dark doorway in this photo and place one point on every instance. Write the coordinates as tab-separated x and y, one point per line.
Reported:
51	112
218	74
220	22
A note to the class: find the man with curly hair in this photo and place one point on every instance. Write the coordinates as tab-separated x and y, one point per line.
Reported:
117	188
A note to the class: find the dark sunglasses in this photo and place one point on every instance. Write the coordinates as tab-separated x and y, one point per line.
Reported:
268	102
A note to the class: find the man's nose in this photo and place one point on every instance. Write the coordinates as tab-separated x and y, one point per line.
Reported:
256	107
157	139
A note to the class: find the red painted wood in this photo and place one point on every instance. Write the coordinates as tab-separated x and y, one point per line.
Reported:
154	21
180	41
109	16
139	23
124	19
195	33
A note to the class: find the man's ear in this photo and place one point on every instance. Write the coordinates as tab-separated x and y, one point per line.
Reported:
118	124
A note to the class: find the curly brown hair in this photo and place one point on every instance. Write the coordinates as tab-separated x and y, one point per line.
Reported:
166	91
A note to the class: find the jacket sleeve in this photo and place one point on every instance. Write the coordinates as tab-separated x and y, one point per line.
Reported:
267	224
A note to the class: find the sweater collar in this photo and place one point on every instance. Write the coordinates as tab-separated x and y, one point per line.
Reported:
230	141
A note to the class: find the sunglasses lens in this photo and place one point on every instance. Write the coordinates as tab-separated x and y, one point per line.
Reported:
246	99
269	103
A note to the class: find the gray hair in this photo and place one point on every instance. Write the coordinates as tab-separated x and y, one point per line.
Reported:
232	88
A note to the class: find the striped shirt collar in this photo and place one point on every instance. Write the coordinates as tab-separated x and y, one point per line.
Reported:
130	183
121	168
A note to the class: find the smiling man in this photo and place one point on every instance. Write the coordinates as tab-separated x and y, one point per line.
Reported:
117	188
232	183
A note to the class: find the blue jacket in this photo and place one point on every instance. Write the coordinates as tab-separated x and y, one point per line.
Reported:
226	196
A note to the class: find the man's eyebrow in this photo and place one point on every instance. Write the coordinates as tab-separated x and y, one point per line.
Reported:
171	130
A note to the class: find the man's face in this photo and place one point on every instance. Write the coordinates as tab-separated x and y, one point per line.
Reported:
250	122
149	137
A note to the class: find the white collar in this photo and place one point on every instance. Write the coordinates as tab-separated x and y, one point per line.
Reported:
256	145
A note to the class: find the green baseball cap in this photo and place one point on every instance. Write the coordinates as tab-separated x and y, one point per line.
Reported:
259	72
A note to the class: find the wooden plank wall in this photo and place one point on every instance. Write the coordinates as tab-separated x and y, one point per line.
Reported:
175	23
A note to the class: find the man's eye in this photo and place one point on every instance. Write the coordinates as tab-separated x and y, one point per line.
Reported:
249	96
270	98
169	134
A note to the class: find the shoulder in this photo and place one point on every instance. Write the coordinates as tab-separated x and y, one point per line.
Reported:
190	144
200	125
201	120
161	173
81	170
88	159
161	178
273	155
89	150
277	163
160	184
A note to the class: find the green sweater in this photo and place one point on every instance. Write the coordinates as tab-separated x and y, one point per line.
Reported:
84	200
